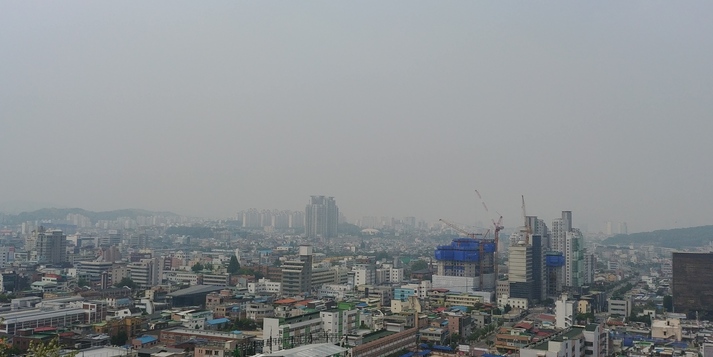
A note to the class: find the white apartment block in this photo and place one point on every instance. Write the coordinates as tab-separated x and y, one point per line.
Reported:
265	286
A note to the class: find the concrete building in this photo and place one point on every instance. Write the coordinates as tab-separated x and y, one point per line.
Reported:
51	247
466	265
7	255
574	257
692	284
321	218
620	307
297	274
570	343
520	269
668	329
596	341
339	322
92	271
146	272
564	312
515	303
265	286
277	333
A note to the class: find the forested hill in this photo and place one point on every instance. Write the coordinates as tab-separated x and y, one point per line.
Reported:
61	214
669	238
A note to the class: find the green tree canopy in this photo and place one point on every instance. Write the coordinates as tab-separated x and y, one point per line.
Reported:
419	265
197	267
47	349
234	265
127	282
120	338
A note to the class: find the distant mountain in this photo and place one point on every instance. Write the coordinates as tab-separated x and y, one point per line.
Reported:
56	214
668	238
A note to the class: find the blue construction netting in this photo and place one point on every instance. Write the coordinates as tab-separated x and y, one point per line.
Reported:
554	260
442	348
464	249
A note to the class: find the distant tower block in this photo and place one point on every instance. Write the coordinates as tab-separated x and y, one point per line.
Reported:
467	264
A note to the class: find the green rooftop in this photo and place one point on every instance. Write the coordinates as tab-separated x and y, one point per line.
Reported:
569	335
376	335
591	327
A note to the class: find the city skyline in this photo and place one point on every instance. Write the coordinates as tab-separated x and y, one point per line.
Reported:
205	109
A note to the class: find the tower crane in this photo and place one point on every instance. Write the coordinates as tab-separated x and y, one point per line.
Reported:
460	230
497	227
527	230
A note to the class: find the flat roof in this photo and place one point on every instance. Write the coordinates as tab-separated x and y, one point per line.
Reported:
104	352
376	335
313	350
35	314
196	289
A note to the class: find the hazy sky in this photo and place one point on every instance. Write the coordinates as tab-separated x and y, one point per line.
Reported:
395	108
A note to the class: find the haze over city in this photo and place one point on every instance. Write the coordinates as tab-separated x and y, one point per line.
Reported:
399	109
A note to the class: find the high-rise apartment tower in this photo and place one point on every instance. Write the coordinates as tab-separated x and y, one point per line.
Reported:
321	218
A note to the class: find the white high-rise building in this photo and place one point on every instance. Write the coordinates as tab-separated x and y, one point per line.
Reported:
564	312
570	242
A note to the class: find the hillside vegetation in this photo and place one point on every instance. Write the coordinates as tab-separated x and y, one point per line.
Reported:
669	238
61	214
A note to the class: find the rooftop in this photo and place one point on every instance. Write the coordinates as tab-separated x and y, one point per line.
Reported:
196	289
313	350
147	339
376	335
219	321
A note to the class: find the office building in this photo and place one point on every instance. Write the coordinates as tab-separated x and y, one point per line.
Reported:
569	240
297	273
539	268
574	258
146	272
692	285
7	255
51	247
520	270
321	218
93	271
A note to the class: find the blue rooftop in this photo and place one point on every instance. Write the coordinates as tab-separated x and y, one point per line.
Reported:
147	339
219	321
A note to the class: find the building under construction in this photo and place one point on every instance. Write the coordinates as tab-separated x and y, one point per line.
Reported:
467	264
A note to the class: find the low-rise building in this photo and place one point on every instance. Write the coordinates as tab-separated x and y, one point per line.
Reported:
433	335
621	307
570	343
669	329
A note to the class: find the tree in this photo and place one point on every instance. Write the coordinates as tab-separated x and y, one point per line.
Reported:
234	265
668	303
48	349
119	339
419	265
83	282
507	308
126	282
197	267
208	266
